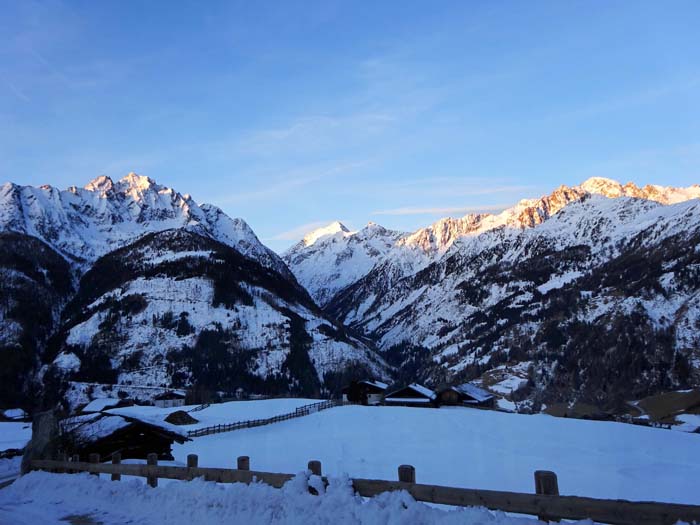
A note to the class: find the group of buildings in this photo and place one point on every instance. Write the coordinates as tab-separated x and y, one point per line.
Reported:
368	392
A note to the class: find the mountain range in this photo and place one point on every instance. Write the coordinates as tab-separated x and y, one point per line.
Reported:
587	296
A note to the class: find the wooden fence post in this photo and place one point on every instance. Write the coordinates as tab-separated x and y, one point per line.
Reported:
315	467
116	460
243	463
95	458
546	483
407	473
192	462
152	459
62	457
75	459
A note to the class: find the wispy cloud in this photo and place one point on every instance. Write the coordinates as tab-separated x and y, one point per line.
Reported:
312	134
283	184
16	91
628	100
441	211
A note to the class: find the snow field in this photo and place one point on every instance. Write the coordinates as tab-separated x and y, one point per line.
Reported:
14	435
218	414
470	448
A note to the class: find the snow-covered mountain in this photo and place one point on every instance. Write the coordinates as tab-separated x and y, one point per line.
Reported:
179	309
330	258
86	223
131	282
537	280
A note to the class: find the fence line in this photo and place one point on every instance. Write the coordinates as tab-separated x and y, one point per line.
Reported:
299	412
546	503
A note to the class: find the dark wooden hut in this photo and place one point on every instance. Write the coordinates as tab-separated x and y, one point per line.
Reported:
106	434
365	392
413	395
466	394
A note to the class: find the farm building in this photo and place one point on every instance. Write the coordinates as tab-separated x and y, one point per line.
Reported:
365	392
171	398
466	394
411	395
105	434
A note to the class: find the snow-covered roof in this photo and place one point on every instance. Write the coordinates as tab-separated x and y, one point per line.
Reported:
98	405
473	391
378	384
97	425
14	413
418	389
422	390
91	427
149	417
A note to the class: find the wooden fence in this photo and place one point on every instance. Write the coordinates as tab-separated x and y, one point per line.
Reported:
546	503
299	412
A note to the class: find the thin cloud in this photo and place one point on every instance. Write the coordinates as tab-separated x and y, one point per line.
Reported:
17	92
440	211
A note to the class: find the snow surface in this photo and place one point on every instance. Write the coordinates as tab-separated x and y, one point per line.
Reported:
14	435
40	497
465	447
218	414
98	405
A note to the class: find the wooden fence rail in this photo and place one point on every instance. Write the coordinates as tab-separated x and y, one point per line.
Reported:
546	503
299	412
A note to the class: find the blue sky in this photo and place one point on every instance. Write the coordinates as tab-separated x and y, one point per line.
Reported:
293	114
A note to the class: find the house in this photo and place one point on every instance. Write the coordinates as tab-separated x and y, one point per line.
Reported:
412	395
365	392
171	398
105	433
466	394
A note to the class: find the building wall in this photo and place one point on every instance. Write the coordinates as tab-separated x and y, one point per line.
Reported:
374	399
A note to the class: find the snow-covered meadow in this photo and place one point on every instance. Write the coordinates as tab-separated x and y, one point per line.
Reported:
464	447
458	447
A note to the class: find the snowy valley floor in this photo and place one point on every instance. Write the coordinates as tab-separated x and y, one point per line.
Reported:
462	447
454	447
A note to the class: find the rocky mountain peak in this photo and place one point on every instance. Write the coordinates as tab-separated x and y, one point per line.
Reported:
331	229
101	184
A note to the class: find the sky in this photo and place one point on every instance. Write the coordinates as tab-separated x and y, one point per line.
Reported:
293	114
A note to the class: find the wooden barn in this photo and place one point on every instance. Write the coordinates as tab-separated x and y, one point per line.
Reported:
105	434
413	395
169	399
365	392
467	394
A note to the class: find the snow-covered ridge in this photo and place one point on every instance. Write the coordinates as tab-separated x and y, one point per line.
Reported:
86	223
329	259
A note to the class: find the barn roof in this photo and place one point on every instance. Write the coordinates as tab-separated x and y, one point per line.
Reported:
95	426
377	384
98	405
422	392
473	391
171	394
